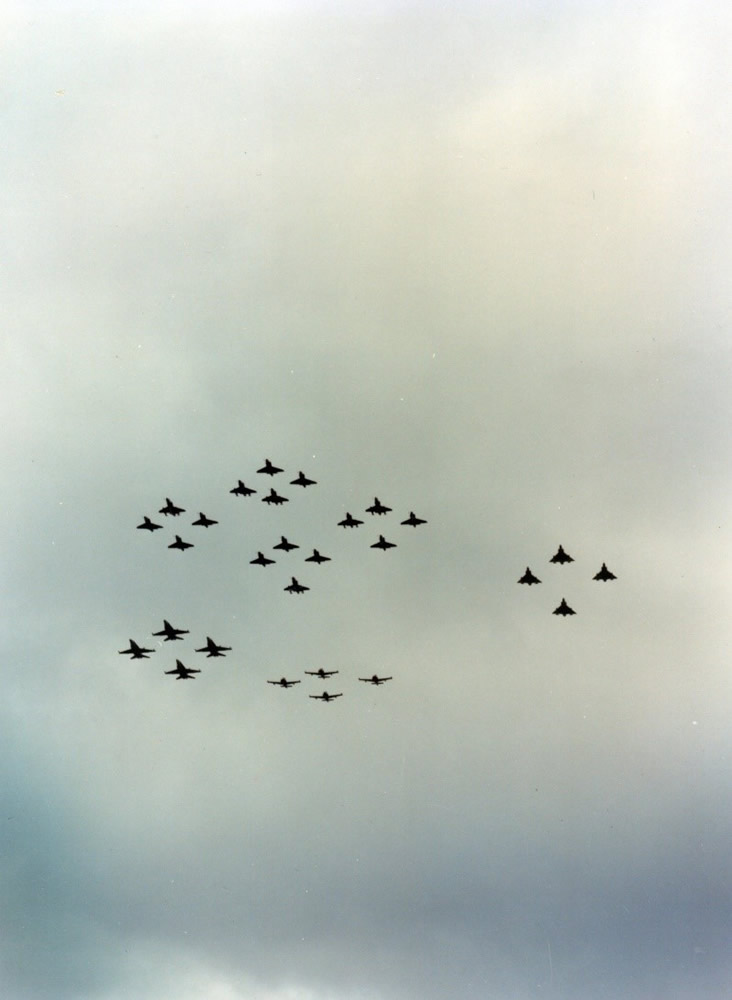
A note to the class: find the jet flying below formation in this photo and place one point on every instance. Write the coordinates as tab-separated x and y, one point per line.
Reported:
302	480
283	683
204	521
171	509
268	469
560	556
285	545
325	696
529	577
180	544
414	521
604	574
563	609
349	522
240	490
317	558
261	560
274	498
296	588
375	680
148	525
383	544
136	652
170	632
321	673
377	507
183	672
213	649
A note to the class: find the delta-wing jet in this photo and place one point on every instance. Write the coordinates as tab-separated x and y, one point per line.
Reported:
560	556
285	545
383	544
170	632
296	588
171	509
148	525
261	560
604	574
274	498
183	672
349	522
240	490
325	696
213	649
204	521
529	577
375	680
414	521
377	507
283	683
302	480
136	652
180	544
564	609
268	469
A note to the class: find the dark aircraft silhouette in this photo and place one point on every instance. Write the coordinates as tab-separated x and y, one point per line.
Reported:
374	679
563	609
321	673
261	560
529	577
147	525
414	521
296	588
274	498
604	574
204	521
383	544
184	673
170	632
325	696
171	509
240	490
377	507
268	469
349	522
302	480
317	558
213	649
285	545
560	556
284	683
180	544
136	652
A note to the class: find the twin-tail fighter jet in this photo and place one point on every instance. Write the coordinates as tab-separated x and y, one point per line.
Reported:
171	509
529	577
321	673
349	522
148	525
268	469
213	649
296	588
604	574
204	521
240	490
564	609
302	480
283	683
261	560
180	544
414	521
377	507
560	556
383	544
136	652
274	498
375	680
325	696
170	632
316	557
183	672
285	545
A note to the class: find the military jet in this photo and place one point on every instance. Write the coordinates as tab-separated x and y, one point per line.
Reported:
285	545
317	558
604	574
213	649
302	480
284	683
349	522
170	632
136	652
563	609
240	490
377	507
204	521
261	560
184	673
383	544
529	577
180	544
274	498
325	696
375	680
414	521
560	556
147	525
171	509
321	673
268	469
296	588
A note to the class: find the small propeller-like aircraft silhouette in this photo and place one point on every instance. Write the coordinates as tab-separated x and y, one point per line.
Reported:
296	588
377	507
414	521
204	521
180	544
604	574
283	683
136	652
240	490
316	557
170	632
383	544
302	480
564	609
183	672
560	556
325	696
349	522
148	525
285	545
529	577
375	680
213	649
261	560
268	469
321	673
171	509
274	498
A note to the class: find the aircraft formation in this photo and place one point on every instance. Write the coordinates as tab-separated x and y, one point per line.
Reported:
560	558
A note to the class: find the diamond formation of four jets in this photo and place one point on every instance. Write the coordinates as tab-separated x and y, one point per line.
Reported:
560	556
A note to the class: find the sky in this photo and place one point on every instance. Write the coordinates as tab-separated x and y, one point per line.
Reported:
468	258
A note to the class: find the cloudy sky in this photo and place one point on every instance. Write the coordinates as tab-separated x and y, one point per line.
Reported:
470	258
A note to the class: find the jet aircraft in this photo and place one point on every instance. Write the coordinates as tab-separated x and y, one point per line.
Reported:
147	525
240	490
213	649
296	588
529	577
285	545
604	574
170	632
325	696
377	507
374	679
302	480
383	544
321	673
184	673
261	560
204	521
317	558
349	522
171	509
136	652
563	609
284	683
560	556
414	521
274	498
268	469
180	544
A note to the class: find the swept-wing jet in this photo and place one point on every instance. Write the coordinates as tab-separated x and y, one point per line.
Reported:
302	480
261	560
317	558
274	498
529	577
147	525
414	521
136	652
296	588
563	609
204	521
383	544
184	673
560	556
377	507
284	683
180	544
321	673
604	574
170	632
240	490
325	696
349	522
268	469
374	679
213	649
171	509
285	545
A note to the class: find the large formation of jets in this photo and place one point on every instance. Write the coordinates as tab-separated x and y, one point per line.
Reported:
560	557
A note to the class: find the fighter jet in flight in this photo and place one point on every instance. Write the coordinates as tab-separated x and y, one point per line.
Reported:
604	574
136	652
184	673
377	507
529	577
204	521
171	509
349	522
180	544
321	673
374	679
170	632
274	498
302	480
240	490
325	696
317	558
284	683
147	525
414	521
268	469
261	560
285	545
560	556
383	544
296	588
213	649
563	609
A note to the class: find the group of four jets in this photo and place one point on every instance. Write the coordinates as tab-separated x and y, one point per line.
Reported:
171	633
326	696
560	556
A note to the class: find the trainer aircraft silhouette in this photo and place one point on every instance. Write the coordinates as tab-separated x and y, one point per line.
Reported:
268	469
414	521
383	544
285	545
563	609
184	673
296	588
180	544
171	509
529	577
321	673
374	679
213	649
349	522
261	560
147	525
325	696
274	498
377	507
317	558
136	652
204	521
560	556
240	490
604	574
170	632
284	683
302	480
